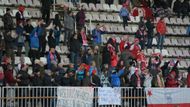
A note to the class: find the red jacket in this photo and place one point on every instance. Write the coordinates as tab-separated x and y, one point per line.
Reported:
135	50
188	80
122	45
161	27
171	80
9	78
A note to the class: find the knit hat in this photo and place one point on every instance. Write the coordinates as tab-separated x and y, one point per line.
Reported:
21	8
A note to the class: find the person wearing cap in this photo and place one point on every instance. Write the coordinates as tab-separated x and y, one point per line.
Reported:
8	20
20	15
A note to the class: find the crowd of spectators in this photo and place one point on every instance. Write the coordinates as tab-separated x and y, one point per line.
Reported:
92	64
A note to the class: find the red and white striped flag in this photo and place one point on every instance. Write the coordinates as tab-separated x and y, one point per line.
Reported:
168	97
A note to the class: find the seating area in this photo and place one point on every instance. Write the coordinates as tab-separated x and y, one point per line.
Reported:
176	44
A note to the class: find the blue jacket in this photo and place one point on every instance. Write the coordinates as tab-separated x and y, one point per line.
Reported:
115	78
34	37
96	34
188	30
123	12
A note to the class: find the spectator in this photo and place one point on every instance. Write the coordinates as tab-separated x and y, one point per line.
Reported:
154	65
161	30
115	77
83	37
150	32
188	77
172	78
20	15
185	8
8	20
68	26
36	79
51	58
80	18
51	39
97	58
2	47
137	79
106	57
141	24
95	80
124	42
45	9
23	77
188	30
1	78
10	80
28	28
141	35
10	39
135	48
20	33
35	41
22	63
148	79
57	29
126	55
74	1
75	50
96	34
104	76
124	13
177	7
109	2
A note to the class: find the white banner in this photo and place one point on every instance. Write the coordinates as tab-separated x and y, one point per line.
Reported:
75	97
168	97
109	96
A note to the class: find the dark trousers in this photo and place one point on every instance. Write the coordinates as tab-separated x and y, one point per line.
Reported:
46	15
34	54
125	21
149	42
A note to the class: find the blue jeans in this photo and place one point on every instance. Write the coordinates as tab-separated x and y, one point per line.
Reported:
74	57
149	42
160	41
57	34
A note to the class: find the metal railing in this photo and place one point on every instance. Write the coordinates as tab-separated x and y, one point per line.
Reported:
47	97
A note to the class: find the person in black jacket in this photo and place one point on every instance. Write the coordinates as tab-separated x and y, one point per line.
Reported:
51	40
177	7
10	39
20	15
28	28
75	50
150	32
185	8
8	20
23	79
36	80
45	9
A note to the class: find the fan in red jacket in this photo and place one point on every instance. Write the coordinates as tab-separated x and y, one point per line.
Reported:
114	57
135	48
188	77
171	80
124	42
